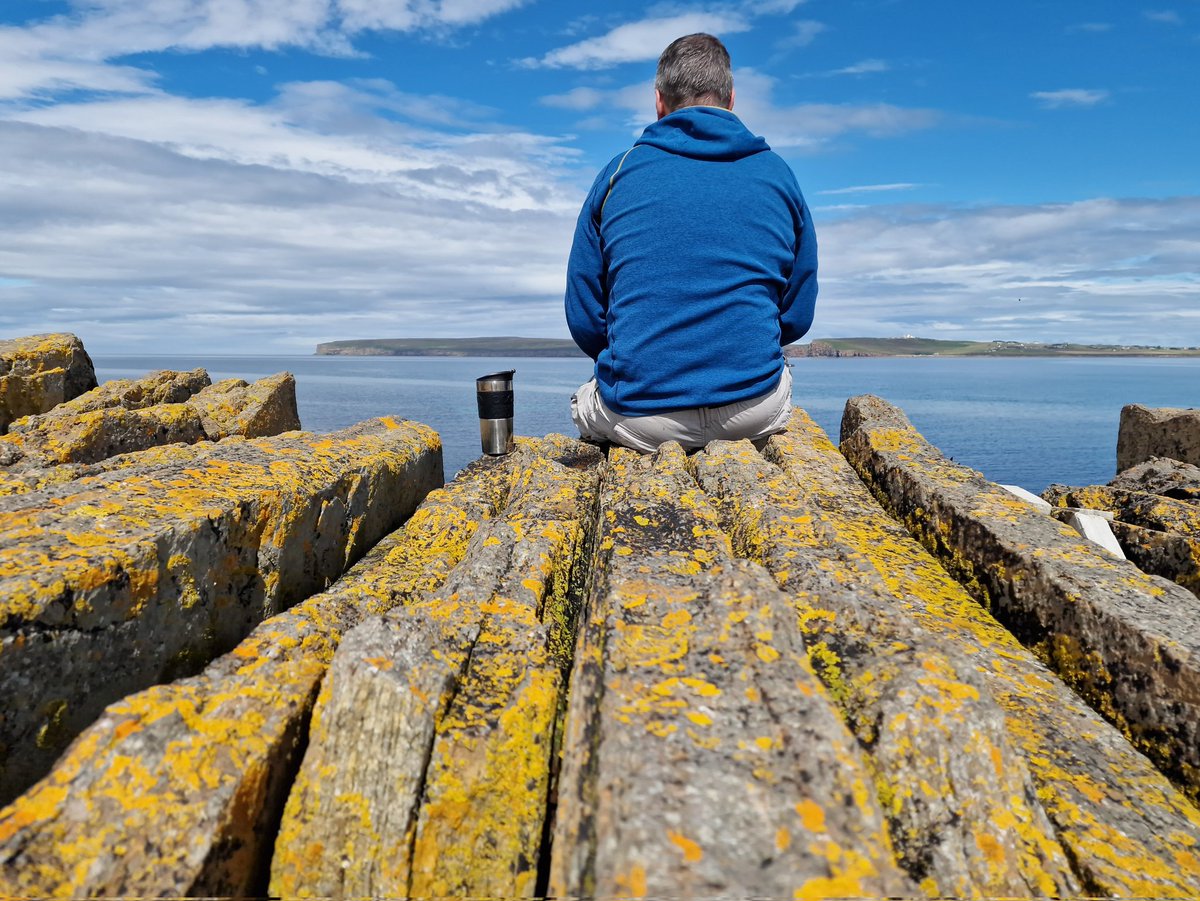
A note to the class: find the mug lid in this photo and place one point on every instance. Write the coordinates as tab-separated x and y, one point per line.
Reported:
506	374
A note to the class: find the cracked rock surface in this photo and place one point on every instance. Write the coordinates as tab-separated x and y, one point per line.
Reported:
577	671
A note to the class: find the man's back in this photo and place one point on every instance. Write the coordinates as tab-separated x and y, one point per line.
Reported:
699	225
693	262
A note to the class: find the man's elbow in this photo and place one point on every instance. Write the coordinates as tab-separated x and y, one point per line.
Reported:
589	342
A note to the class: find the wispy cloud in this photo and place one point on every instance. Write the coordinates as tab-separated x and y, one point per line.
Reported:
577	99
1164	16
1117	271
814	126
274	237
864	67
255	229
1070	97
637	41
1091	27
72	52
802	34
807	127
644	39
774	7
872	189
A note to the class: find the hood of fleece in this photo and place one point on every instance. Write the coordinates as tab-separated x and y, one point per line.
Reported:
703	133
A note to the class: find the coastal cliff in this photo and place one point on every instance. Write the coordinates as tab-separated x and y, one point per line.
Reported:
300	665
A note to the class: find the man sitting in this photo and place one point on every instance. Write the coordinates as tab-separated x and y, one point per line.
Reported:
694	261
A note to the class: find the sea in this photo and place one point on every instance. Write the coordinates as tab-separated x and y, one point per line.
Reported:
1028	421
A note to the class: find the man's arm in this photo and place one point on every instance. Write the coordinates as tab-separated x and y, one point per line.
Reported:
800	295
587	288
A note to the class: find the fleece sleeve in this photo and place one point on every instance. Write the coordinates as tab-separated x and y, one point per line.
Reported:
587	283
800	294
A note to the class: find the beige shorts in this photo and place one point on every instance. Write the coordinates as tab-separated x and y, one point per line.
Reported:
757	417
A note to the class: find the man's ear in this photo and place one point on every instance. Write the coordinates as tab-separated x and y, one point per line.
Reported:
732	97
660	108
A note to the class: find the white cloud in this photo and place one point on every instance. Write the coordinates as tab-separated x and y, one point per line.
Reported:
272	235
1114	271
809	127
871	189
1070	97
1164	16
803	33
406	15
637	41
1092	27
865	67
773	7
813	126
577	99
70	52
140	245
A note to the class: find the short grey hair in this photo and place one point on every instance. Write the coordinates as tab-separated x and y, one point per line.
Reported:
695	71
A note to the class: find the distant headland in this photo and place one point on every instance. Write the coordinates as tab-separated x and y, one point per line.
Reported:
908	346
506	346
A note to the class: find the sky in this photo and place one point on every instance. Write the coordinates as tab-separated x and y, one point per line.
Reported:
258	176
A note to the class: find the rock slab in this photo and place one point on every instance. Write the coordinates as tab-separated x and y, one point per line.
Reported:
444	790
1147	432
1127	641
217	752
39	372
961	804
143	574
1126	830
692	688
93	429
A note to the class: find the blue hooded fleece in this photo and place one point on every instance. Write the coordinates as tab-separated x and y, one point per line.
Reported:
694	262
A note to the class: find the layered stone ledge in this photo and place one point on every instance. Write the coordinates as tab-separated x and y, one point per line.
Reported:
179	790
997	780
119	418
1127	641
692	688
144	573
569	675
445	789
39	372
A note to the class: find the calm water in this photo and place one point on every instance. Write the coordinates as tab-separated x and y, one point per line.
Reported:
1022	421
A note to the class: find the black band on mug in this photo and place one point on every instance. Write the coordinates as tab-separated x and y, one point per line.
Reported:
495	404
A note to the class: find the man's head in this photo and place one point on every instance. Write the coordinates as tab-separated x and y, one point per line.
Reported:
693	71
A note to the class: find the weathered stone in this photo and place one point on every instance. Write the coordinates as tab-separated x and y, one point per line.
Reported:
1127	641
89	431
1147	432
90	437
141	575
1127	831
703	757
39	372
443	790
164	386
232	407
962	807
1161	475
1150	511
1167	554
179	790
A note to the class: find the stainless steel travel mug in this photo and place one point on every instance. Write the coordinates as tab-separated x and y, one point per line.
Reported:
494	392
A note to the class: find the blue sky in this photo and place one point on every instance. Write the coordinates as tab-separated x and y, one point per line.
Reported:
262	175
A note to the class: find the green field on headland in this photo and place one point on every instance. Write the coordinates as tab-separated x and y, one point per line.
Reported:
907	346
